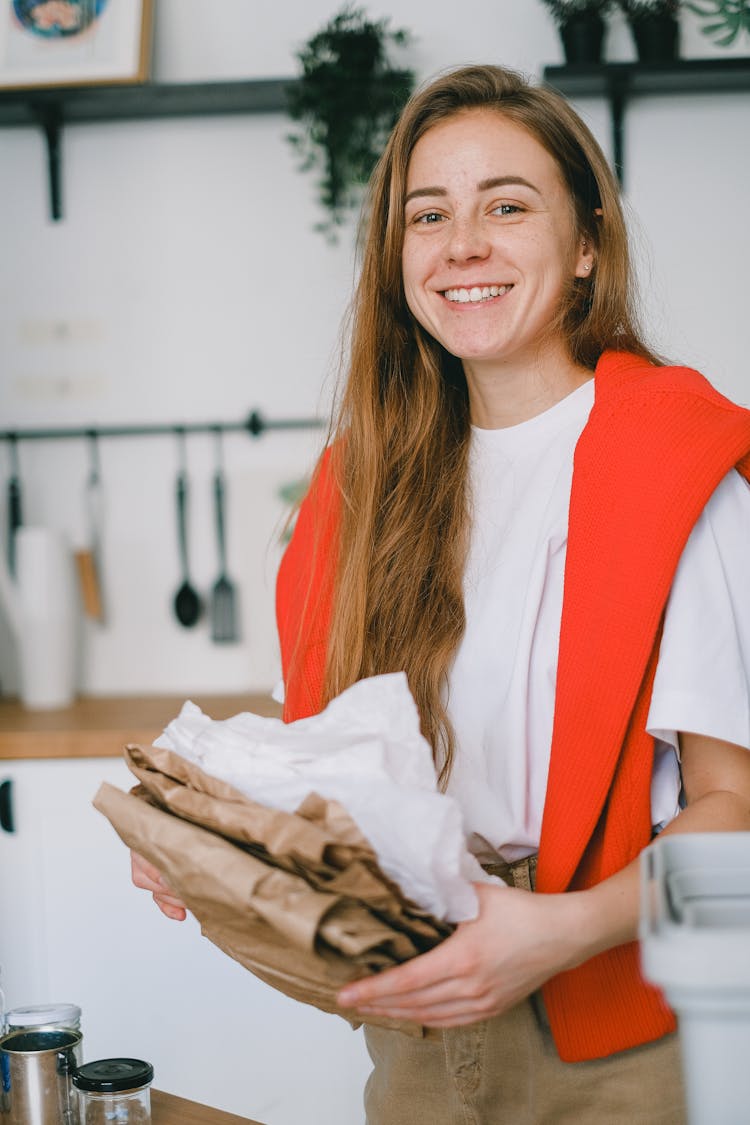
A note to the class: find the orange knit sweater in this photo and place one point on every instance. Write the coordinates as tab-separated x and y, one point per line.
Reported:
657	443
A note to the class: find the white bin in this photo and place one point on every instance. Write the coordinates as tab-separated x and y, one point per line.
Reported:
695	946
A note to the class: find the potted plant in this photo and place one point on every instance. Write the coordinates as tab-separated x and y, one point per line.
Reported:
655	28
582	25
347	100
725	19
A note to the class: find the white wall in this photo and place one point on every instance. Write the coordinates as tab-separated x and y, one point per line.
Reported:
185	283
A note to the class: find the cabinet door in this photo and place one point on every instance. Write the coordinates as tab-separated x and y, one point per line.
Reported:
22	944
155	989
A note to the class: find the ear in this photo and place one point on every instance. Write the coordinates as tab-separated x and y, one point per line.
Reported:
585	258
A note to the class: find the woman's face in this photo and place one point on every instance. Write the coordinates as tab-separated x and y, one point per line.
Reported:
489	242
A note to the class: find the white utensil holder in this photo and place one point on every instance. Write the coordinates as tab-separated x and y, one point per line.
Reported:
47	618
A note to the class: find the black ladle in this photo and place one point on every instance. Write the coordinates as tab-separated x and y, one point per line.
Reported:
187	602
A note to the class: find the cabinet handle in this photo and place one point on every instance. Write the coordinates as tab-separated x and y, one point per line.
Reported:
6	806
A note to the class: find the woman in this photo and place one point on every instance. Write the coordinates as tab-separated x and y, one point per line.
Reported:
492	339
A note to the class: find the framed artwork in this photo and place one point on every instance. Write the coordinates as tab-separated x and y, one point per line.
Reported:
73	42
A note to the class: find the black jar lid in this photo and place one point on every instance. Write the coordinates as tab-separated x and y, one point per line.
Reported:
109	1076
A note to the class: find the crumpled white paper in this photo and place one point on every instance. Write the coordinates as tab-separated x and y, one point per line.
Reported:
366	751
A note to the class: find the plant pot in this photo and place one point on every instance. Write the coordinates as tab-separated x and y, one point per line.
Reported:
582	38
656	38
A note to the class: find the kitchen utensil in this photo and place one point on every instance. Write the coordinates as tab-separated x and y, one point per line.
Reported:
224	609
187	602
89	559
42	610
15	514
36	1069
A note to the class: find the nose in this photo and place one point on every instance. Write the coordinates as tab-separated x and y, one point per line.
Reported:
467	240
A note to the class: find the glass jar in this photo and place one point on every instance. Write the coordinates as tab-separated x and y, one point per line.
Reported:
114	1092
44	1017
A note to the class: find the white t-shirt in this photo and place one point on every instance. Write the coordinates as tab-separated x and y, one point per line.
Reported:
502	683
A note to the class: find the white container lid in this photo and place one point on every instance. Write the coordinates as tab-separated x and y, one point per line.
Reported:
39	1015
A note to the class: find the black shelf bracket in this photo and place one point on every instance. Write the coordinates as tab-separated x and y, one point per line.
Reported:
617	102
50	117
619	83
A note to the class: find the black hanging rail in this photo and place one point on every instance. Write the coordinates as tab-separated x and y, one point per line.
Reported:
255	425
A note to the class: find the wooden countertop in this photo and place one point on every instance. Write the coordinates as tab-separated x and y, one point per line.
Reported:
166	1109
99	727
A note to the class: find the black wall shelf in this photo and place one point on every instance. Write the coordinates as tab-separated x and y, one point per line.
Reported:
621	82
52	108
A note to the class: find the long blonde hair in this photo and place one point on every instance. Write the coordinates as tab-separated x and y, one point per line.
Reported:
403	418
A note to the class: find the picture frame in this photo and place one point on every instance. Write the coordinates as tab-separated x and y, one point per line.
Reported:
74	42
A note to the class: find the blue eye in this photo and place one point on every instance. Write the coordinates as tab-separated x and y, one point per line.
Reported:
506	209
429	217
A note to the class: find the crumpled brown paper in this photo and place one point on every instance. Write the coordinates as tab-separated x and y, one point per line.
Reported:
296	898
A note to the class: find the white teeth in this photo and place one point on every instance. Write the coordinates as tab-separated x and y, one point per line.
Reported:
476	293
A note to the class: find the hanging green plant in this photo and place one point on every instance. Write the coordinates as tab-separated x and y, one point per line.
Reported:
347	100
725	19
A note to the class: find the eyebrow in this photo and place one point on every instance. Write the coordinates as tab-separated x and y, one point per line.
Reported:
483	185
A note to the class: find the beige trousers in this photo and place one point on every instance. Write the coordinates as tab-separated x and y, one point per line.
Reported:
506	1071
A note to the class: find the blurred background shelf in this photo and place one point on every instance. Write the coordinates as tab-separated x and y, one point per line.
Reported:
620	82
53	107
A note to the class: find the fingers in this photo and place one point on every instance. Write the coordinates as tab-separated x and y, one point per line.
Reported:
447	1003
144	874
425	972
171	907
148	878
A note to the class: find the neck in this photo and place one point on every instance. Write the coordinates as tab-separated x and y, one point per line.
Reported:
502	395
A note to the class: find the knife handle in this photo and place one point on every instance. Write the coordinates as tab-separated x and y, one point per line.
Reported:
15	520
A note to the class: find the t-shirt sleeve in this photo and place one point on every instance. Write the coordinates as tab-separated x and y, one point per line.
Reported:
702	679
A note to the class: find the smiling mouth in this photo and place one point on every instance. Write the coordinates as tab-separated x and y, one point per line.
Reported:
476	294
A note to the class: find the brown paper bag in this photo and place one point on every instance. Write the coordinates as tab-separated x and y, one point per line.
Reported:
320	841
298	898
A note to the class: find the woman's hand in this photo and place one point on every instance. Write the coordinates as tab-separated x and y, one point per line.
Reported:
520	939
148	878
517	942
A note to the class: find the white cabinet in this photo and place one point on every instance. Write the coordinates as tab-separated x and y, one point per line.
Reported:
73	928
22	946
